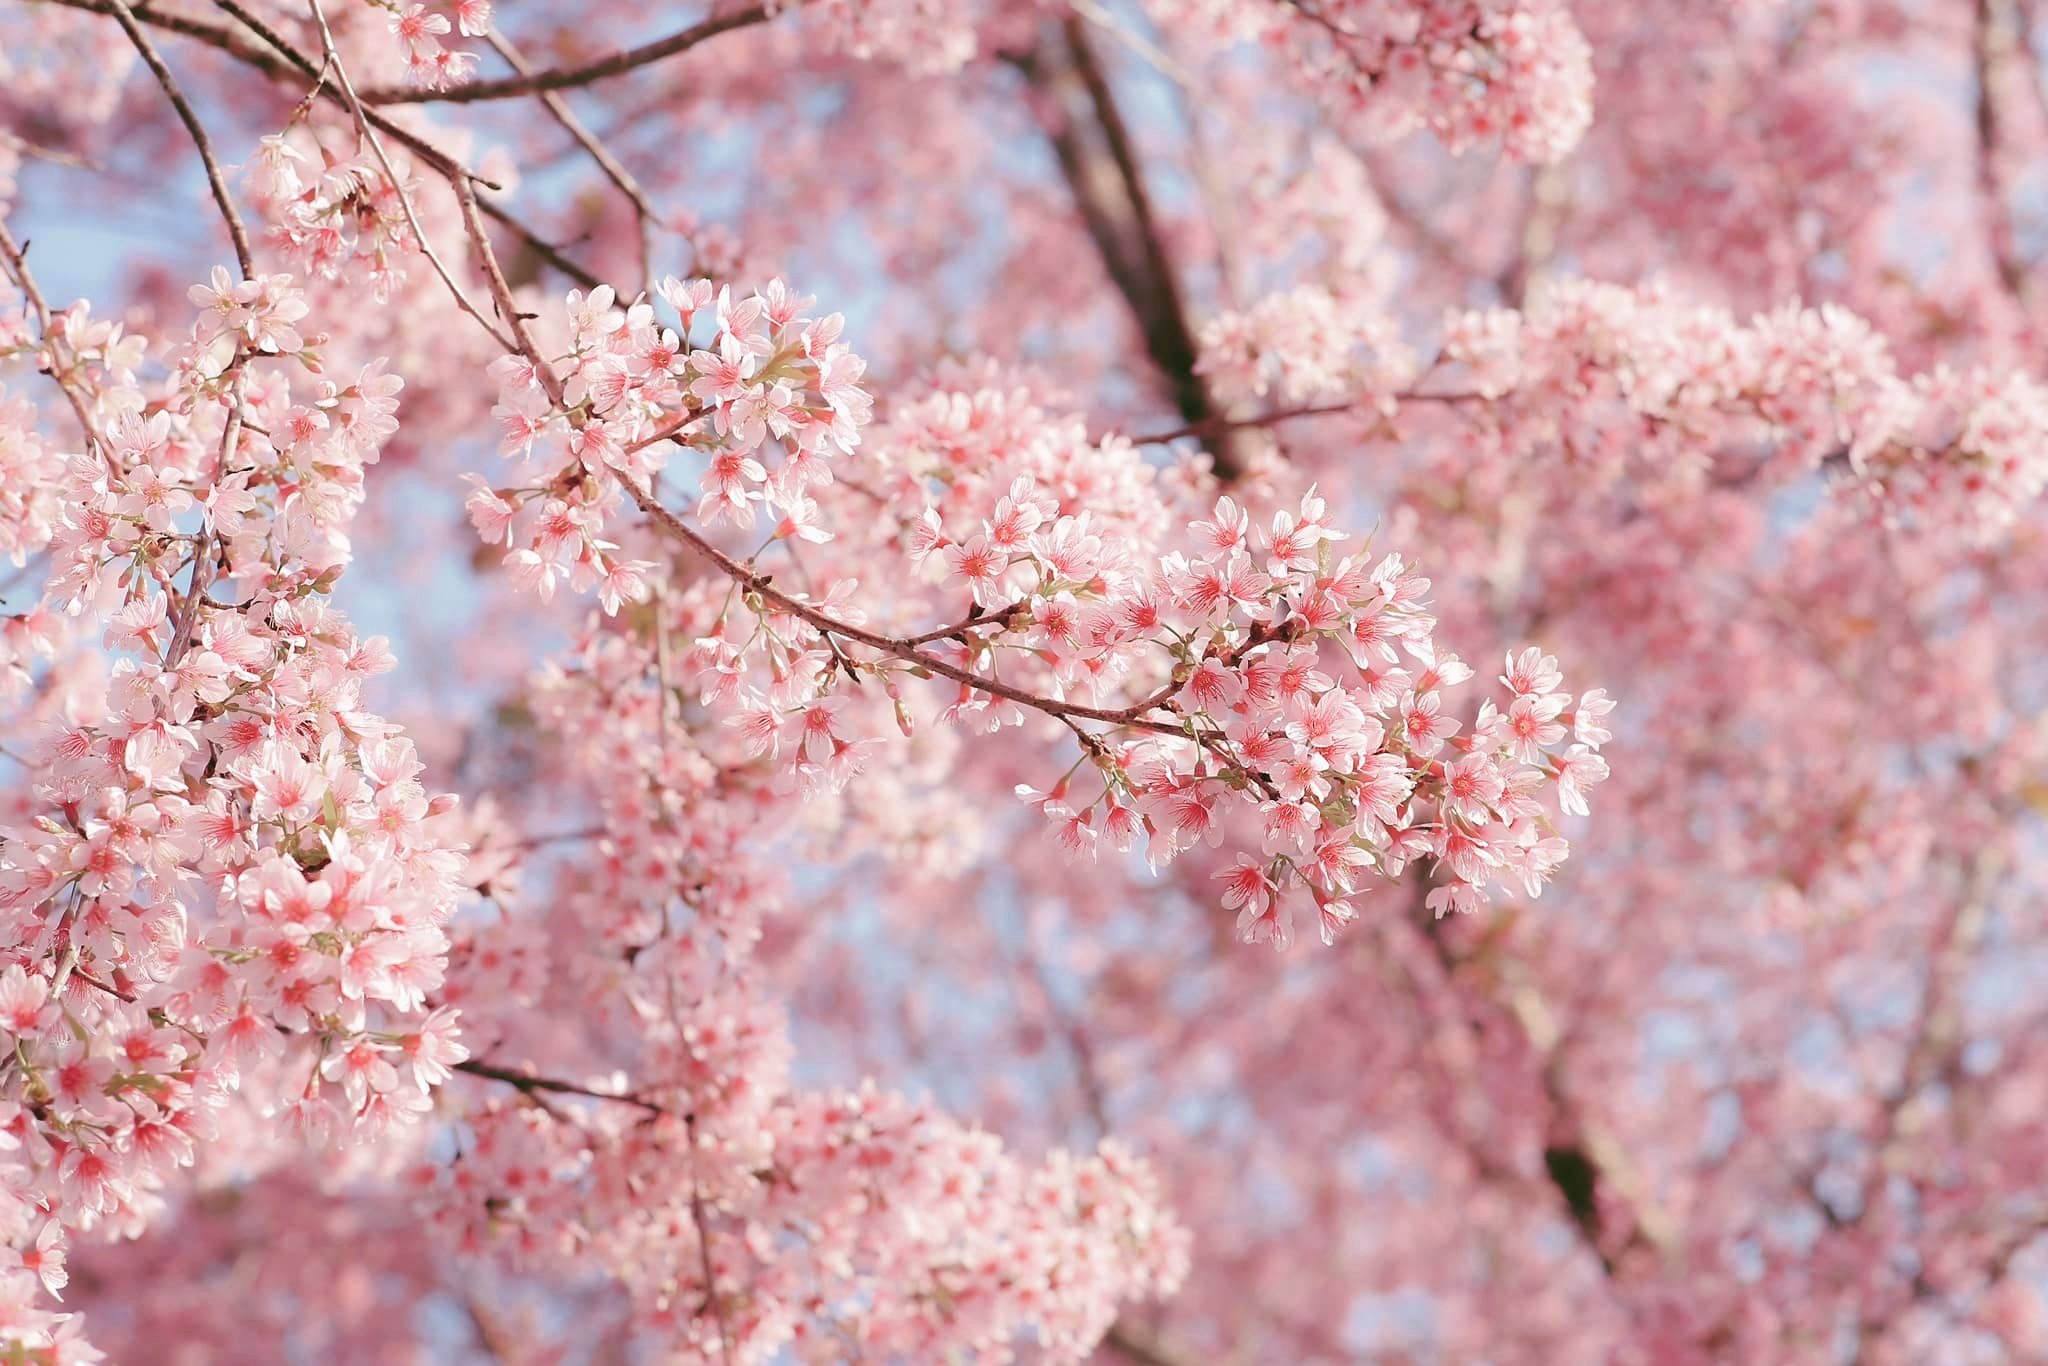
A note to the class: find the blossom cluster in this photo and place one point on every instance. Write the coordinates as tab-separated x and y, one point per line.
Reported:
1194	677
763	385
1957	453
1344	772
1517	72
230	877
417	30
343	220
742	1216
1305	344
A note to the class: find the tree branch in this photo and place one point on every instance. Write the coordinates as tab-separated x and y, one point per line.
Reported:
412	218
154	60
558	109
525	1081
1115	205
1133	715
1994	47
567	78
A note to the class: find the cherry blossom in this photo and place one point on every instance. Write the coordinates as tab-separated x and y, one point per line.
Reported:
1130	680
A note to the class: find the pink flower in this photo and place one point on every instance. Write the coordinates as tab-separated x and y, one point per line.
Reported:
45	1259
1588	724
1425	725
24	1002
1532	724
435	1047
286	786
1471	786
1578	770
362	1068
1244	882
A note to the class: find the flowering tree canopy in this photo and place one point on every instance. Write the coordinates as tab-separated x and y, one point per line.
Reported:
934	680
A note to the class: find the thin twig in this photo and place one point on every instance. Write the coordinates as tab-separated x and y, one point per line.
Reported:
711	1295
1115	204
59	368
125	17
369	134
1275	418
643	211
566	78
501	293
210	541
524	1081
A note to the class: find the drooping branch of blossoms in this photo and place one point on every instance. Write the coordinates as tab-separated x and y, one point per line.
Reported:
229	870
369	135
1954	453
1245	714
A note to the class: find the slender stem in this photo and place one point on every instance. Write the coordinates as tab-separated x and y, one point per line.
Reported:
1275	418
501	294
1133	715
210	541
125	17
58	366
558	108
524	1081
570	77
711	1295
419	233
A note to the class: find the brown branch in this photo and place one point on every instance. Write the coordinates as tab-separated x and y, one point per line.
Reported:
1994	47
125	17
210	542
525	1082
1141	1347
1584	1168
566	78
711	1296
1133	715
501	294
1546	205
1275	418
528	1082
